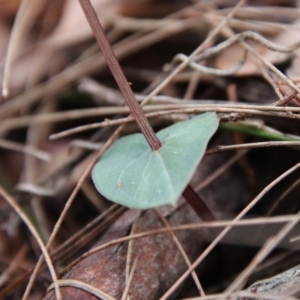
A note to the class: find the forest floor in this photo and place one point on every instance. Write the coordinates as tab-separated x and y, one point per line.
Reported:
60	108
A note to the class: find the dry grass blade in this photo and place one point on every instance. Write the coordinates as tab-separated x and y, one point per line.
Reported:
262	254
42	155
80	238
180	247
83	286
175	55
220	170
128	282
13	123
178	69
85	67
128	269
252	146
207	108
32	229
86	234
283	196
65	210
265	62
24	20
5	276
240	38
212	224
227	229
212	71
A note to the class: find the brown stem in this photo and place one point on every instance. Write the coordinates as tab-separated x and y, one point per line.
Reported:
191	197
197	204
119	76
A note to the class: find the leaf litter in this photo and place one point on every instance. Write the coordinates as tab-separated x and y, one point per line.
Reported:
51	64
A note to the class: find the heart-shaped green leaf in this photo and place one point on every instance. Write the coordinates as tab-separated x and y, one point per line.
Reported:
131	174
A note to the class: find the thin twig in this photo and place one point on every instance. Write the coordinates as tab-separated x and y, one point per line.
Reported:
120	121
13	123
251	146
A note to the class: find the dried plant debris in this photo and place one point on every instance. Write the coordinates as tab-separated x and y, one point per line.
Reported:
159	262
283	285
156	252
60	110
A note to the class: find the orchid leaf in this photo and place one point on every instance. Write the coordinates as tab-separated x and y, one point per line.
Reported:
131	174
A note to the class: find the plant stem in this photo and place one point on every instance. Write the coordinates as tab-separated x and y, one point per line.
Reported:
119	76
193	199
251	130
189	194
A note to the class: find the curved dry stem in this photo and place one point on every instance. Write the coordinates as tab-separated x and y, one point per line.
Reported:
211	71
87	66
130	247
210	224
24	19
279	200
220	170
33	231
207	108
66	208
179	68
14	146
184	255
129	280
262	254
83	286
252	146
227	229
13	123
242	37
